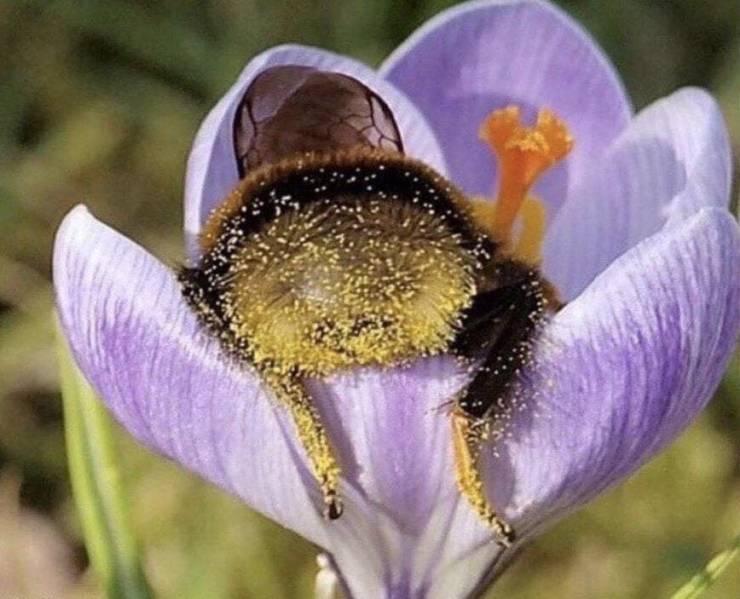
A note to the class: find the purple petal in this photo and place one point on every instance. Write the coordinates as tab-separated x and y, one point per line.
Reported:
392	430
484	55
625	367
212	171
141	348
672	160
617	381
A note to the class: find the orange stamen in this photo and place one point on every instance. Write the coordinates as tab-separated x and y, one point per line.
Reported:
524	153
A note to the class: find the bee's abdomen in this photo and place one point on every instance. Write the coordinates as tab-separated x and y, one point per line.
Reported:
362	258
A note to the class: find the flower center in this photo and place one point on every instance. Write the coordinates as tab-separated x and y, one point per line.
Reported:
523	153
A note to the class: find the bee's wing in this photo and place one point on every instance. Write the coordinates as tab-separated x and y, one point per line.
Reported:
292	109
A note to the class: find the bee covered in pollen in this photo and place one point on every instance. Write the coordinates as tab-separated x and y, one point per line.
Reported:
336	250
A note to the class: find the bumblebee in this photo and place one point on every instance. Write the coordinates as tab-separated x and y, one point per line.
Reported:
336	250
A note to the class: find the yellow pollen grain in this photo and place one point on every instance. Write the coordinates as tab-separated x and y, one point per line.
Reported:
523	154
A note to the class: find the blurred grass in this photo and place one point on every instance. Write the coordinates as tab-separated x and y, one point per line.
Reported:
699	584
99	101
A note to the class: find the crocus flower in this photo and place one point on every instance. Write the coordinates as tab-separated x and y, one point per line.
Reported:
639	243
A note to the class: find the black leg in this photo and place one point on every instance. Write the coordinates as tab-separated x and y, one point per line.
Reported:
498	328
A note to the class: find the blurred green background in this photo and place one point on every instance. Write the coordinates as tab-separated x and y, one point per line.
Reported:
99	101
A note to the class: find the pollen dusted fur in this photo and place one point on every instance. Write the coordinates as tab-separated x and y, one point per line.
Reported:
327	261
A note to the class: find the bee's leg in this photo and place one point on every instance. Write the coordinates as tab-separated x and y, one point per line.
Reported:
500	327
315	441
467	436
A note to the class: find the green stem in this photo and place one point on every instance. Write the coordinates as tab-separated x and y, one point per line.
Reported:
96	486
707	577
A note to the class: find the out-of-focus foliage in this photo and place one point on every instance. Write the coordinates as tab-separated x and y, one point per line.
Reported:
99	100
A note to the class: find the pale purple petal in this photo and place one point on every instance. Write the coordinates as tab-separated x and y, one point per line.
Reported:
484	55
624	368
392	429
672	160
142	350
212	171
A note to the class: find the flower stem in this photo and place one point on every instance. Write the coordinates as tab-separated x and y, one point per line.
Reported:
96	487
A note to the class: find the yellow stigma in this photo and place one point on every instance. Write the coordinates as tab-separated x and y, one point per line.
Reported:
524	153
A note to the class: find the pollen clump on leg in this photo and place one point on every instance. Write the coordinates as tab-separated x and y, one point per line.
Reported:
524	153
